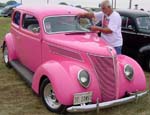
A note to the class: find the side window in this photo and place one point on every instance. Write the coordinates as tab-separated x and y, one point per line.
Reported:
16	18
30	23
124	21
127	23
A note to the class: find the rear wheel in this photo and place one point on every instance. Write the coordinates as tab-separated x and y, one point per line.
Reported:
6	56
49	98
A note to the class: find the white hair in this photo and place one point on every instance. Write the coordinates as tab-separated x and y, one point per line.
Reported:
106	3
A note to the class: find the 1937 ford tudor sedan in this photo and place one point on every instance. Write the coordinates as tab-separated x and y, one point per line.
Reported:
69	66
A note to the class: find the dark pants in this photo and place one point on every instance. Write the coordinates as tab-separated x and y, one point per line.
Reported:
118	49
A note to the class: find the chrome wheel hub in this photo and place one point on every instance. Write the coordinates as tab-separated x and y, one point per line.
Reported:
50	97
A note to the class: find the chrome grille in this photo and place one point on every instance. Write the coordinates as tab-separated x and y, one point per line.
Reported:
104	68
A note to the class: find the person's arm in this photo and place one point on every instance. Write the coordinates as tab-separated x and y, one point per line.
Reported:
105	30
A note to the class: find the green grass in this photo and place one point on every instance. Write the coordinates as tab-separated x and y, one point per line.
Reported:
16	98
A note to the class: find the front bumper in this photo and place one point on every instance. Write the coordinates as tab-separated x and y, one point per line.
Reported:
91	107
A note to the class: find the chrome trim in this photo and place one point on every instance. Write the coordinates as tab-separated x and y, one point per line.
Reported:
142	34
127	32
115	68
67	49
97	106
125	74
81	82
103	105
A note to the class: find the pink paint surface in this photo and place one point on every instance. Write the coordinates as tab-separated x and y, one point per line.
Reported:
60	57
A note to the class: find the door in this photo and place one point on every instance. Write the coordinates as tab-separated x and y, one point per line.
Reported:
130	37
133	39
28	42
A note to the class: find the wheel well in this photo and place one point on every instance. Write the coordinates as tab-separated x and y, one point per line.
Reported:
41	80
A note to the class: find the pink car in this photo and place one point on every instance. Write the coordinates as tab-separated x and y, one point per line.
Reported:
69	66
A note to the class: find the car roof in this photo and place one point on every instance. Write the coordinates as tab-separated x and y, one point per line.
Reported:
132	13
50	10
9	6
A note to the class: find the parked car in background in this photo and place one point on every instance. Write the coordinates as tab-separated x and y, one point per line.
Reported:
7	10
91	9
136	35
1	10
69	66
11	2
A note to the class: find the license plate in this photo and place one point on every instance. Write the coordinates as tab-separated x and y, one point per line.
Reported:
82	98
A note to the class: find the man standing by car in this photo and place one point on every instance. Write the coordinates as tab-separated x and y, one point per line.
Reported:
111	25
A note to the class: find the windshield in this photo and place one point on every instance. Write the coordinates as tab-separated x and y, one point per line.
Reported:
143	24
65	24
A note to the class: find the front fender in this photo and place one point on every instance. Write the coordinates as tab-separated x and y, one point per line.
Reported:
138	83
8	40
63	77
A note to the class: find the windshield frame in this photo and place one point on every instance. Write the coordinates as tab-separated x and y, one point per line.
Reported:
60	32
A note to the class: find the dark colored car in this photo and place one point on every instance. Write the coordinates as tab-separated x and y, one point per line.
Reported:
136	36
7	10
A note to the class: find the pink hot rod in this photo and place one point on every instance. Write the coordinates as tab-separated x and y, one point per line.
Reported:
69	66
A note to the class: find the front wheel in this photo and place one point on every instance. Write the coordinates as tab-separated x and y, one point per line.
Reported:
49	98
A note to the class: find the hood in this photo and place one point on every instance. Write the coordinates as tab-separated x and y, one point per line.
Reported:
82	42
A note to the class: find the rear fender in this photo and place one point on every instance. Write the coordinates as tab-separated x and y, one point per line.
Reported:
8	41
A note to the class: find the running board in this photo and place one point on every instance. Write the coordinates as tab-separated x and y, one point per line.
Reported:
26	74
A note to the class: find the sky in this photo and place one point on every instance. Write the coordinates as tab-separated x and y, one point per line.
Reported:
123	4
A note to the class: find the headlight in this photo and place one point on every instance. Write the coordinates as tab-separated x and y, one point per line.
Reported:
84	78
128	71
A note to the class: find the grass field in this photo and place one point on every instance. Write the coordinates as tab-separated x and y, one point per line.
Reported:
16	98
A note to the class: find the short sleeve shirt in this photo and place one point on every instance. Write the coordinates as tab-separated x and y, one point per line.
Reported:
113	22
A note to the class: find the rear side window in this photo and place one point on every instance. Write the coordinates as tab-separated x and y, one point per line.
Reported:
127	23
124	21
16	18
30	23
